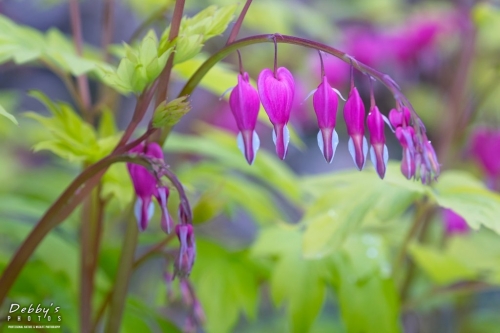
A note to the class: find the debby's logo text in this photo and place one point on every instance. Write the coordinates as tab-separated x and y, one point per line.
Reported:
39	313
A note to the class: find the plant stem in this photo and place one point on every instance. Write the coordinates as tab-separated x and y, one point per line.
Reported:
385	79
76	27
164	77
91	230
418	220
119	296
139	261
239	22
107	26
60	209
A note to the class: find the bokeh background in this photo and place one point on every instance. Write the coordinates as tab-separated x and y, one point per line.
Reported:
444	56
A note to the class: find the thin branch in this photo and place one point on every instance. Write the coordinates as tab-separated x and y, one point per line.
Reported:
123	274
107	26
164	78
239	22
76	27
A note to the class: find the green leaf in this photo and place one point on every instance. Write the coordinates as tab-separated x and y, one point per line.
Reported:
469	198
443	268
232	190
23	44
67	135
364	278
220	146
196	30
355	299
107	124
229	275
295	281
169	114
140	67
4	113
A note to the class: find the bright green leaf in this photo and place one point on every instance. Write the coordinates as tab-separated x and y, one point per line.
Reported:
4	113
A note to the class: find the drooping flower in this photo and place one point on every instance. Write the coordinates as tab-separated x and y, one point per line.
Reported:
354	115
187	250
276	94
454	224
245	104
325	102
378	151
167	222
146	186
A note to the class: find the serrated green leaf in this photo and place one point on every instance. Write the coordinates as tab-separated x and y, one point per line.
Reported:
469	198
237	290
196	30
67	135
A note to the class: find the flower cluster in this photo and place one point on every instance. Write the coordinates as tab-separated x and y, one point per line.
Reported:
276	92
419	158
146	187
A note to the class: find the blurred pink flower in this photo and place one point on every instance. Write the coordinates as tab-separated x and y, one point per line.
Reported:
485	149
453	223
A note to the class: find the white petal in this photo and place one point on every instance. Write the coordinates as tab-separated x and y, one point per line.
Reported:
338	93
310	94
137	209
373	157
255	144
241	144
274	137
365	149
335	142
225	92
352	151
286	136
321	143
388	122
151	210
386	155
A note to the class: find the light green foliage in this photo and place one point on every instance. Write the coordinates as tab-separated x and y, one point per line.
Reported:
145	8
218	79
366	292
486	16
284	16
196	30
221	147
226	284
68	135
468	197
140	66
339	203
468	257
7	115
295	281
443	268
24	45
229	192
169	114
